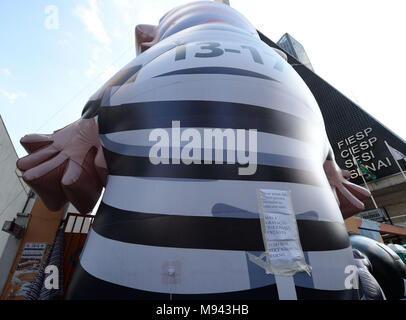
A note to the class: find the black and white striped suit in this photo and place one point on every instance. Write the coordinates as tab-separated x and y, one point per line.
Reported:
184	231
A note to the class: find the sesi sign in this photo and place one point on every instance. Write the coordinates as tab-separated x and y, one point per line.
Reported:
362	145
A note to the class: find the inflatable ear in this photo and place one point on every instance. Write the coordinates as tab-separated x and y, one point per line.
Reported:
144	37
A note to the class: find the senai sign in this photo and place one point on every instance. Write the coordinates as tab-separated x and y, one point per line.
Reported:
368	148
351	130
363	145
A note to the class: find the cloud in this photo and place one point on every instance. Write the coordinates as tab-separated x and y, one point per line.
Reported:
134	12
66	41
91	70
111	71
90	17
126	9
5	72
95	70
12	96
94	62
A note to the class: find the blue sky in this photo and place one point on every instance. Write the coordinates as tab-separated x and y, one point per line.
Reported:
47	74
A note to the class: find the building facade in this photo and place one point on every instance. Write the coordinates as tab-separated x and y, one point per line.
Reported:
295	49
353	133
16	201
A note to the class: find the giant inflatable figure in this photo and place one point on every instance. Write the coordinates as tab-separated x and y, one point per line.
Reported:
195	140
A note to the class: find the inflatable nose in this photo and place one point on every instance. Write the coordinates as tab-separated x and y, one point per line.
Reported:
144	37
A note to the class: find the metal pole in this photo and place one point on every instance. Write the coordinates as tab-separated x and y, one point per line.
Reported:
387	215
400	168
390	220
363	179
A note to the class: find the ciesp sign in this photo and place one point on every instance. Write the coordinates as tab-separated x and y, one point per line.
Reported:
361	145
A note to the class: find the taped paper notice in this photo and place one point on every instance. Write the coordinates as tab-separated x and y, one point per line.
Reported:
283	251
279	226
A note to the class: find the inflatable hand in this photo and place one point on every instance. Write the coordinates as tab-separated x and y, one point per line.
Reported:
67	165
349	196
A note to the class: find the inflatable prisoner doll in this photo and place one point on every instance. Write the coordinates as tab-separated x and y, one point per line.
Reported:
220	182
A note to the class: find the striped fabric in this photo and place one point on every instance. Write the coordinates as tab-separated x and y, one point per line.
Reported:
37	290
177	231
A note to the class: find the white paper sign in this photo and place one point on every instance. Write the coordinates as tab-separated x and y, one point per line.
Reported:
279	227
283	253
274	201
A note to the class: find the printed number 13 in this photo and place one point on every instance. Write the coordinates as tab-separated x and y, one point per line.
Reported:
212	50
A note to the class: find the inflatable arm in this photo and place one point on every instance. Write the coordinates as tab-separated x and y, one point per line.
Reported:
349	196
67	165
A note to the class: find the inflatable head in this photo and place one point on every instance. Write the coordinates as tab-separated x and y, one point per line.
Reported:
186	16
387	267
